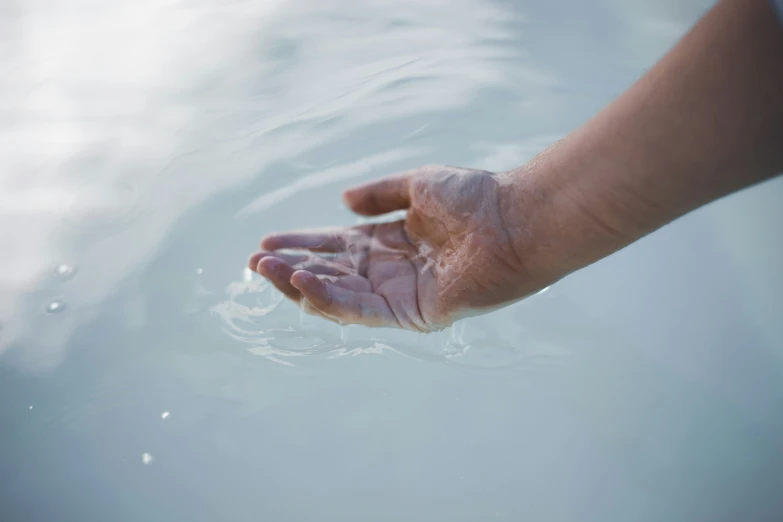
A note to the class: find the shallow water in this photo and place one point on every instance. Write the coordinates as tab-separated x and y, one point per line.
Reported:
146	376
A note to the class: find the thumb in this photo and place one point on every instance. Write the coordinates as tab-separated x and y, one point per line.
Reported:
379	197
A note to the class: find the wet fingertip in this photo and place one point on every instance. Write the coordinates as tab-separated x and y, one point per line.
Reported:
311	287
269	266
269	242
256	258
252	262
354	200
301	278
350	193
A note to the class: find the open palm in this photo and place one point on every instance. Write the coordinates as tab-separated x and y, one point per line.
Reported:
450	257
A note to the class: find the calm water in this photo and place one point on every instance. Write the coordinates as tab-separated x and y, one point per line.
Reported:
146	146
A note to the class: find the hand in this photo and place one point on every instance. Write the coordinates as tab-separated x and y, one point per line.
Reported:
473	240
450	257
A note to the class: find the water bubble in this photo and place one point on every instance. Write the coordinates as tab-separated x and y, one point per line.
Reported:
199	271
146	459
64	270
31	406
164	415
55	306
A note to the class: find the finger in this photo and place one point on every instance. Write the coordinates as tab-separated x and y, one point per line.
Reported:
344	305
325	267
314	241
279	274
338	266
353	282
308	308
256	258
379	197
291	259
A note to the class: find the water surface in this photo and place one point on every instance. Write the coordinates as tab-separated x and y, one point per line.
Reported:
146	146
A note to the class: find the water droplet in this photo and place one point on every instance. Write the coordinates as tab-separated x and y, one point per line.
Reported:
146	459
54	307
31	406
543	290
199	271
64	270
164	415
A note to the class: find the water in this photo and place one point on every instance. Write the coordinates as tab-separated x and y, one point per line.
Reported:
147	146
55	306
64	270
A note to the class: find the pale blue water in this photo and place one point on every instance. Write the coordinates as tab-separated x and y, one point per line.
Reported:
146	146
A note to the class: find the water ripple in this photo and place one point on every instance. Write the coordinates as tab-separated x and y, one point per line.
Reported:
103	206
256	315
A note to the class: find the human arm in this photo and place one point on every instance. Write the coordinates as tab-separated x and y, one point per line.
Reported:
706	121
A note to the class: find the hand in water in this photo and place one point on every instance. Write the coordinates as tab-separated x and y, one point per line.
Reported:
473	240
450	257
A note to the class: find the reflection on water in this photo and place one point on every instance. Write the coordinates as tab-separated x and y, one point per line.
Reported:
146	146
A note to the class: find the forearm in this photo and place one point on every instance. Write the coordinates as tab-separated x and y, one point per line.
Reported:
706	121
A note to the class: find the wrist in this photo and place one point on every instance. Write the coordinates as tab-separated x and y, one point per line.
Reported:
557	220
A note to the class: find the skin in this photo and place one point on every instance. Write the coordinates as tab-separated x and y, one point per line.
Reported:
705	122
